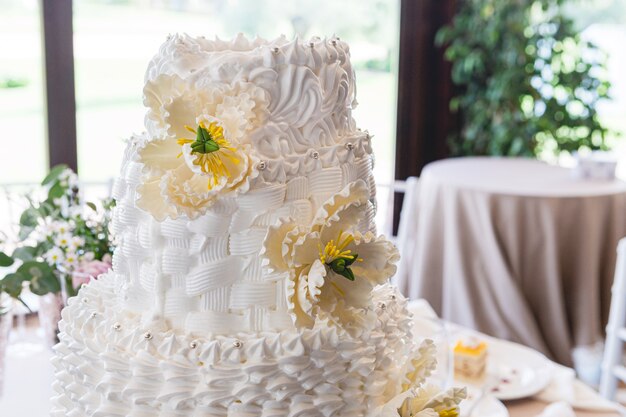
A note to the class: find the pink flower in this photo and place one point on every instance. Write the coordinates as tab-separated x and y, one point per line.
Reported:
88	270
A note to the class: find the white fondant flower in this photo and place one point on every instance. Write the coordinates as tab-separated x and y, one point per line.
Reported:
422	364
333	266
429	401
185	176
426	401
418	399
172	101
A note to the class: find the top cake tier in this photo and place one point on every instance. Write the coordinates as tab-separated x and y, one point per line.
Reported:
227	112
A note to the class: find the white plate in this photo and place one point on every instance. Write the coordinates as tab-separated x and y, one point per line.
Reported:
515	371
488	406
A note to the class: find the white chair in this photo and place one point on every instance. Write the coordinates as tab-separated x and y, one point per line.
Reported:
613	369
405	240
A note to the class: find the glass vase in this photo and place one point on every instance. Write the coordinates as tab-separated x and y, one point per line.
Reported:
50	306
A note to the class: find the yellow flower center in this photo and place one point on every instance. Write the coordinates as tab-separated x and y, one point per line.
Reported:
337	257
209	149
450	412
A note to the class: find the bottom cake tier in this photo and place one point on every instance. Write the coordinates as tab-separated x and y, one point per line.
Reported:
109	363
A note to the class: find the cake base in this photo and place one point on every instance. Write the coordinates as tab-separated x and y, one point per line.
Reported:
108	363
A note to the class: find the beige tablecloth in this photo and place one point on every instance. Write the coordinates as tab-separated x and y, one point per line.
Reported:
516	249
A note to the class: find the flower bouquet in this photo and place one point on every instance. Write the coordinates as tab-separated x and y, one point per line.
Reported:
62	243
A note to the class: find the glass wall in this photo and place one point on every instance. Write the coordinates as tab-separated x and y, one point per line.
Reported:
603	22
22	143
114	40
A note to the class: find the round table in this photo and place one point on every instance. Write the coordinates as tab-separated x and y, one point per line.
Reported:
515	248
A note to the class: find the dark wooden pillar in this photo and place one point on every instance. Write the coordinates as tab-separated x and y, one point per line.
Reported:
58	43
424	89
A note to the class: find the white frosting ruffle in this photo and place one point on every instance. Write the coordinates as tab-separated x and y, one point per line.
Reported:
111	363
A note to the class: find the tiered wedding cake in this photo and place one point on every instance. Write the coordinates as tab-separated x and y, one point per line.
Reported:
248	280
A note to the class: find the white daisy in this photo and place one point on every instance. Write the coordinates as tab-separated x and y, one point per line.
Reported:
63	240
54	256
71	260
76	242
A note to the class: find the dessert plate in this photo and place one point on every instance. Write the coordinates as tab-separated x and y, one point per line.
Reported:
487	406
515	371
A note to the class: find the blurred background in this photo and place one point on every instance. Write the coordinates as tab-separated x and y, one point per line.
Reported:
541	79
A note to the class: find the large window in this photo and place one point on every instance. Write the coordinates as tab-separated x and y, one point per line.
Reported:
602	22
115	40
23	147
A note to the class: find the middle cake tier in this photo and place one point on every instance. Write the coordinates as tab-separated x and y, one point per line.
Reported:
207	274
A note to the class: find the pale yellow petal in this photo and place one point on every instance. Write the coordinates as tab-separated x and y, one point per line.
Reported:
446	400
379	258
274	243
159	91
151	200
391	408
178	189
181	111
243	172
355	193
299	305
160	155
315	280
306	249
422	364
346	219
357	293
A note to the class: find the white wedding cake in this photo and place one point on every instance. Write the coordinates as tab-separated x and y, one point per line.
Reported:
248	279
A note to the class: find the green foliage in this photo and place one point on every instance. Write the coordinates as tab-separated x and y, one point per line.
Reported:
528	83
12	284
5	260
54	174
25	253
41	277
40	226
13	82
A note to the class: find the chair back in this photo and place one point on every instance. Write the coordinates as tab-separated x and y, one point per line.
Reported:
405	240
613	369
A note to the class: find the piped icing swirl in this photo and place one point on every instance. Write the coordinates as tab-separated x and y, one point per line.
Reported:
307	86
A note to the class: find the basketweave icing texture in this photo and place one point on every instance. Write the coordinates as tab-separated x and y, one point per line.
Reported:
108	364
206	274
